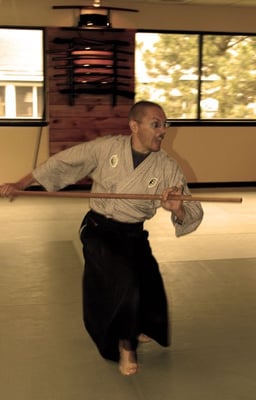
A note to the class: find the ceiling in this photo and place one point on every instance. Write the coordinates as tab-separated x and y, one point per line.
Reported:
244	3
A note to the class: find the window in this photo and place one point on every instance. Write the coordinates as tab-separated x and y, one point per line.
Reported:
198	77
21	75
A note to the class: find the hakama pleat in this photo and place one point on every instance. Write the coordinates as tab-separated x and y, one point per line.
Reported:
123	291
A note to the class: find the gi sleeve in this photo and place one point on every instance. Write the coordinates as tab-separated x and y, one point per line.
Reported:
67	167
193	218
193	209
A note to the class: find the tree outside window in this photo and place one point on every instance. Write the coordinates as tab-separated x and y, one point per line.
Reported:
197	76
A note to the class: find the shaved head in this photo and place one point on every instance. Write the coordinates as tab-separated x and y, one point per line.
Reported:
139	109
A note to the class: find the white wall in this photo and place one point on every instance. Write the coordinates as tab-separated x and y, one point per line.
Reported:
207	154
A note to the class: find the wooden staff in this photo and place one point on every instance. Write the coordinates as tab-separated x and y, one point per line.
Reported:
135	196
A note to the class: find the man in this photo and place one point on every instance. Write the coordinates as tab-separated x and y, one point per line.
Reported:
123	293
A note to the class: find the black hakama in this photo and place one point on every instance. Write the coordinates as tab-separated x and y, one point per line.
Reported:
123	291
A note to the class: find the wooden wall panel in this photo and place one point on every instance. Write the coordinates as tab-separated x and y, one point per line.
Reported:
89	115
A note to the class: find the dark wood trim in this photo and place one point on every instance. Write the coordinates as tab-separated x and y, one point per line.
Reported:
195	185
13	122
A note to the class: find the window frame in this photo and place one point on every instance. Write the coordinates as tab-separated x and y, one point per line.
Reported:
197	121
33	122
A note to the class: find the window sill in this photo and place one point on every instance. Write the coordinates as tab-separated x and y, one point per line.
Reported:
23	122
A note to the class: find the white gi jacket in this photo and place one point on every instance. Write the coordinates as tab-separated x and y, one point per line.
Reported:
108	161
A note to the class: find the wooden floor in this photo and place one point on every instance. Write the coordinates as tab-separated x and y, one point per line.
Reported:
210	279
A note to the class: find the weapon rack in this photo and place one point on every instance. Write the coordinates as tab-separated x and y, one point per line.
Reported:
90	83
92	63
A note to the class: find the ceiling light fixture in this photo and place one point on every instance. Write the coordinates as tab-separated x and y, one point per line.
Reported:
96	3
89	19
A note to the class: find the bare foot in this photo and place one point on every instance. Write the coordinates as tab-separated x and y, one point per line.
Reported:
128	361
144	338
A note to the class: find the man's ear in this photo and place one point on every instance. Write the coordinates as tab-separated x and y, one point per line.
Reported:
133	125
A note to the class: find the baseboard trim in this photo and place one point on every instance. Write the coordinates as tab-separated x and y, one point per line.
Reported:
211	185
192	185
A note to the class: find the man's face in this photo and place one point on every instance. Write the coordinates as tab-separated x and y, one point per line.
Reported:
148	133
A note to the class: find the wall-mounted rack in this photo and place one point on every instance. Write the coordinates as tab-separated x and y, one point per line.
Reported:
81	111
92	66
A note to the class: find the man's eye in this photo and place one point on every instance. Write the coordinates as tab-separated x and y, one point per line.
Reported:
155	125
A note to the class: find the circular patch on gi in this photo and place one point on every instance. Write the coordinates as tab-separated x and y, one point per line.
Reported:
113	160
152	182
